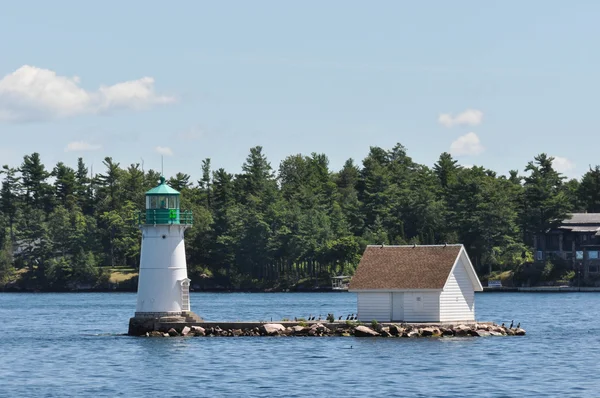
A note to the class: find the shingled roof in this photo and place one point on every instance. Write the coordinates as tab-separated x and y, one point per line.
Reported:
405	267
582	219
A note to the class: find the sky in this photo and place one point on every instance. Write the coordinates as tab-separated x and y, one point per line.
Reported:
493	83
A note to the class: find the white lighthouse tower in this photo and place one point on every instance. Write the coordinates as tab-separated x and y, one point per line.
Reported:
163	286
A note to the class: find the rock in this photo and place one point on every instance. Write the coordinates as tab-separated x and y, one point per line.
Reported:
172	332
363	331
271	329
198	331
479	333
447	332
165	335
300	330
520	332
385	333
430	331
323	329
156	333
494	333
510	332
346	334
461	330
411	334
185	331
394	330
287	332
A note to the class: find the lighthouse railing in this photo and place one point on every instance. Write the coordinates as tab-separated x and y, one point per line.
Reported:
164	217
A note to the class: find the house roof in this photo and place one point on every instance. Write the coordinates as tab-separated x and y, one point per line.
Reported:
405	267
583	218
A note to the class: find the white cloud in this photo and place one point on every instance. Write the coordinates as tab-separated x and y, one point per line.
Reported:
32	93
467	144
81	146
164	150
470	117
562	165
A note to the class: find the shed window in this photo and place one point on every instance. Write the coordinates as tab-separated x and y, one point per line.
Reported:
579	255
593	254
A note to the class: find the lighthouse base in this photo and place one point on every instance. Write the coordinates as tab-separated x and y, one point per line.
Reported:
146	322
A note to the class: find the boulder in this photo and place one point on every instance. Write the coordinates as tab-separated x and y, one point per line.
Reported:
185	331
271	329
165	335
172	332
385	333
519	332
494	333
411	334
156	333
461	330
300	330
479	333
198	331
394	330
363	331
447	332
430	331
510	332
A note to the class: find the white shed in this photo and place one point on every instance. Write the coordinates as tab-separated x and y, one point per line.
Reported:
413	283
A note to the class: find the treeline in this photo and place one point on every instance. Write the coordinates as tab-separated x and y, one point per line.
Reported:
59	227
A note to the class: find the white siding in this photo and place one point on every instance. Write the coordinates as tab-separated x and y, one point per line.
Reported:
421	306
457	301
376	306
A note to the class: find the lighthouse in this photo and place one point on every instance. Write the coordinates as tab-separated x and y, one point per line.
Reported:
163	285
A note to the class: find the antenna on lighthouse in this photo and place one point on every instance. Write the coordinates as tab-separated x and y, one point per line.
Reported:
162	165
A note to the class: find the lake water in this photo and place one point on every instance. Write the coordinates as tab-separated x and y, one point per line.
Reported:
62	345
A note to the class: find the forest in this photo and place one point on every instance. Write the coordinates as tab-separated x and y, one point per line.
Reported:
294	226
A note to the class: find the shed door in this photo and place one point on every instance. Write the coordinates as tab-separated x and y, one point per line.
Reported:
397	306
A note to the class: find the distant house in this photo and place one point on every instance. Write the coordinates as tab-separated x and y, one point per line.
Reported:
576	239
415	284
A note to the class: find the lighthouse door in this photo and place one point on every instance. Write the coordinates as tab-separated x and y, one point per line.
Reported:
185	295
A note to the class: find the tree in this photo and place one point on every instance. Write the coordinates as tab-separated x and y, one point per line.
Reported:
36	192
589	190
9	197
65	184
445	169
545	203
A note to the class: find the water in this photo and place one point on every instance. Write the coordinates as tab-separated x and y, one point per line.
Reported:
63	345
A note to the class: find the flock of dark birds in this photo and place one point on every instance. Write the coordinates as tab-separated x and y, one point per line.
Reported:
512	324
311	317
352	317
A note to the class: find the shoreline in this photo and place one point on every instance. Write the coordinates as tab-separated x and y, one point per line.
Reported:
535	289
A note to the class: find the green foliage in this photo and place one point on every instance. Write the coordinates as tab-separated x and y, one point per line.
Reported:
374	324
294	227
330	318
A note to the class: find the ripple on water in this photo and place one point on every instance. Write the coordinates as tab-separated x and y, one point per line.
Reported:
72	345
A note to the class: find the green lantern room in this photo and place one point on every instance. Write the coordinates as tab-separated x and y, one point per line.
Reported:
162	206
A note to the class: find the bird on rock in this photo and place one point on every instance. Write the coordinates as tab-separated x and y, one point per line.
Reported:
518	325
348	317
502	324
511	324
340	318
